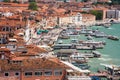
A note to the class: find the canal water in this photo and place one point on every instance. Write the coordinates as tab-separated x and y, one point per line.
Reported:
110	54
111	51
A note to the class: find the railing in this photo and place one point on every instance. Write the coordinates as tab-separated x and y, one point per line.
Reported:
79	78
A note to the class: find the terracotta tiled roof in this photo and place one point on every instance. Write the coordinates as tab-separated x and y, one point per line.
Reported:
34	50
19	58
13	4
87	15
60	10
32	64
11	23
4	49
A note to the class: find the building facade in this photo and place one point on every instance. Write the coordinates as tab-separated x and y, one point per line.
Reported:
113	14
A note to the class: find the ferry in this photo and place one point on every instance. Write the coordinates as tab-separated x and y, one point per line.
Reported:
64	46
78	58
85	47
98	34
64	54
97	44
113	71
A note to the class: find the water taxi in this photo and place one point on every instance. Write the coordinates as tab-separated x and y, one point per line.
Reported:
113	37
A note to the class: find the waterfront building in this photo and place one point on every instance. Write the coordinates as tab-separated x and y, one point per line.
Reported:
75	19
88	19
32	69
113	14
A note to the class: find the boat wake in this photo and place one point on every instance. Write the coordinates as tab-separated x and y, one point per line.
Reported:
105	55
105	59
110	28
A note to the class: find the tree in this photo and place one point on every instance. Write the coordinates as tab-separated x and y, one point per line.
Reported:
33	6
85	0
31	0
15	1
98	14
6	0
114	2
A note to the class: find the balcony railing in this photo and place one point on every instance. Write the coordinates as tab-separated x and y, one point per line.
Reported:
79	78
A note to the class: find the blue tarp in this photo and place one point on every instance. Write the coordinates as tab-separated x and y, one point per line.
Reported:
42	31
95	78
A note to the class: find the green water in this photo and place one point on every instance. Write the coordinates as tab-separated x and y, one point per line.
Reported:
111	51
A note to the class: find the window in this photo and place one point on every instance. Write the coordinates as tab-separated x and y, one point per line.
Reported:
17	74
3	29
57	73
48	73
13	46
6	74
28	73
38	73
7	29
78	18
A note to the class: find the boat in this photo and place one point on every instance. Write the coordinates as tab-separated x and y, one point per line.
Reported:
98	34
83	66
64	46
113	37
74	40
60	41
89	37
78	58
96	54
84	47
113	71
107	25
64	54
91	43
65	36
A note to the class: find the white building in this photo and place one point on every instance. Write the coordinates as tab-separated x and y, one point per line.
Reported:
76	19
27	33
113	14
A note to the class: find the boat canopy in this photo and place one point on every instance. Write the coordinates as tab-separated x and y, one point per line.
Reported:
66	51
75	68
